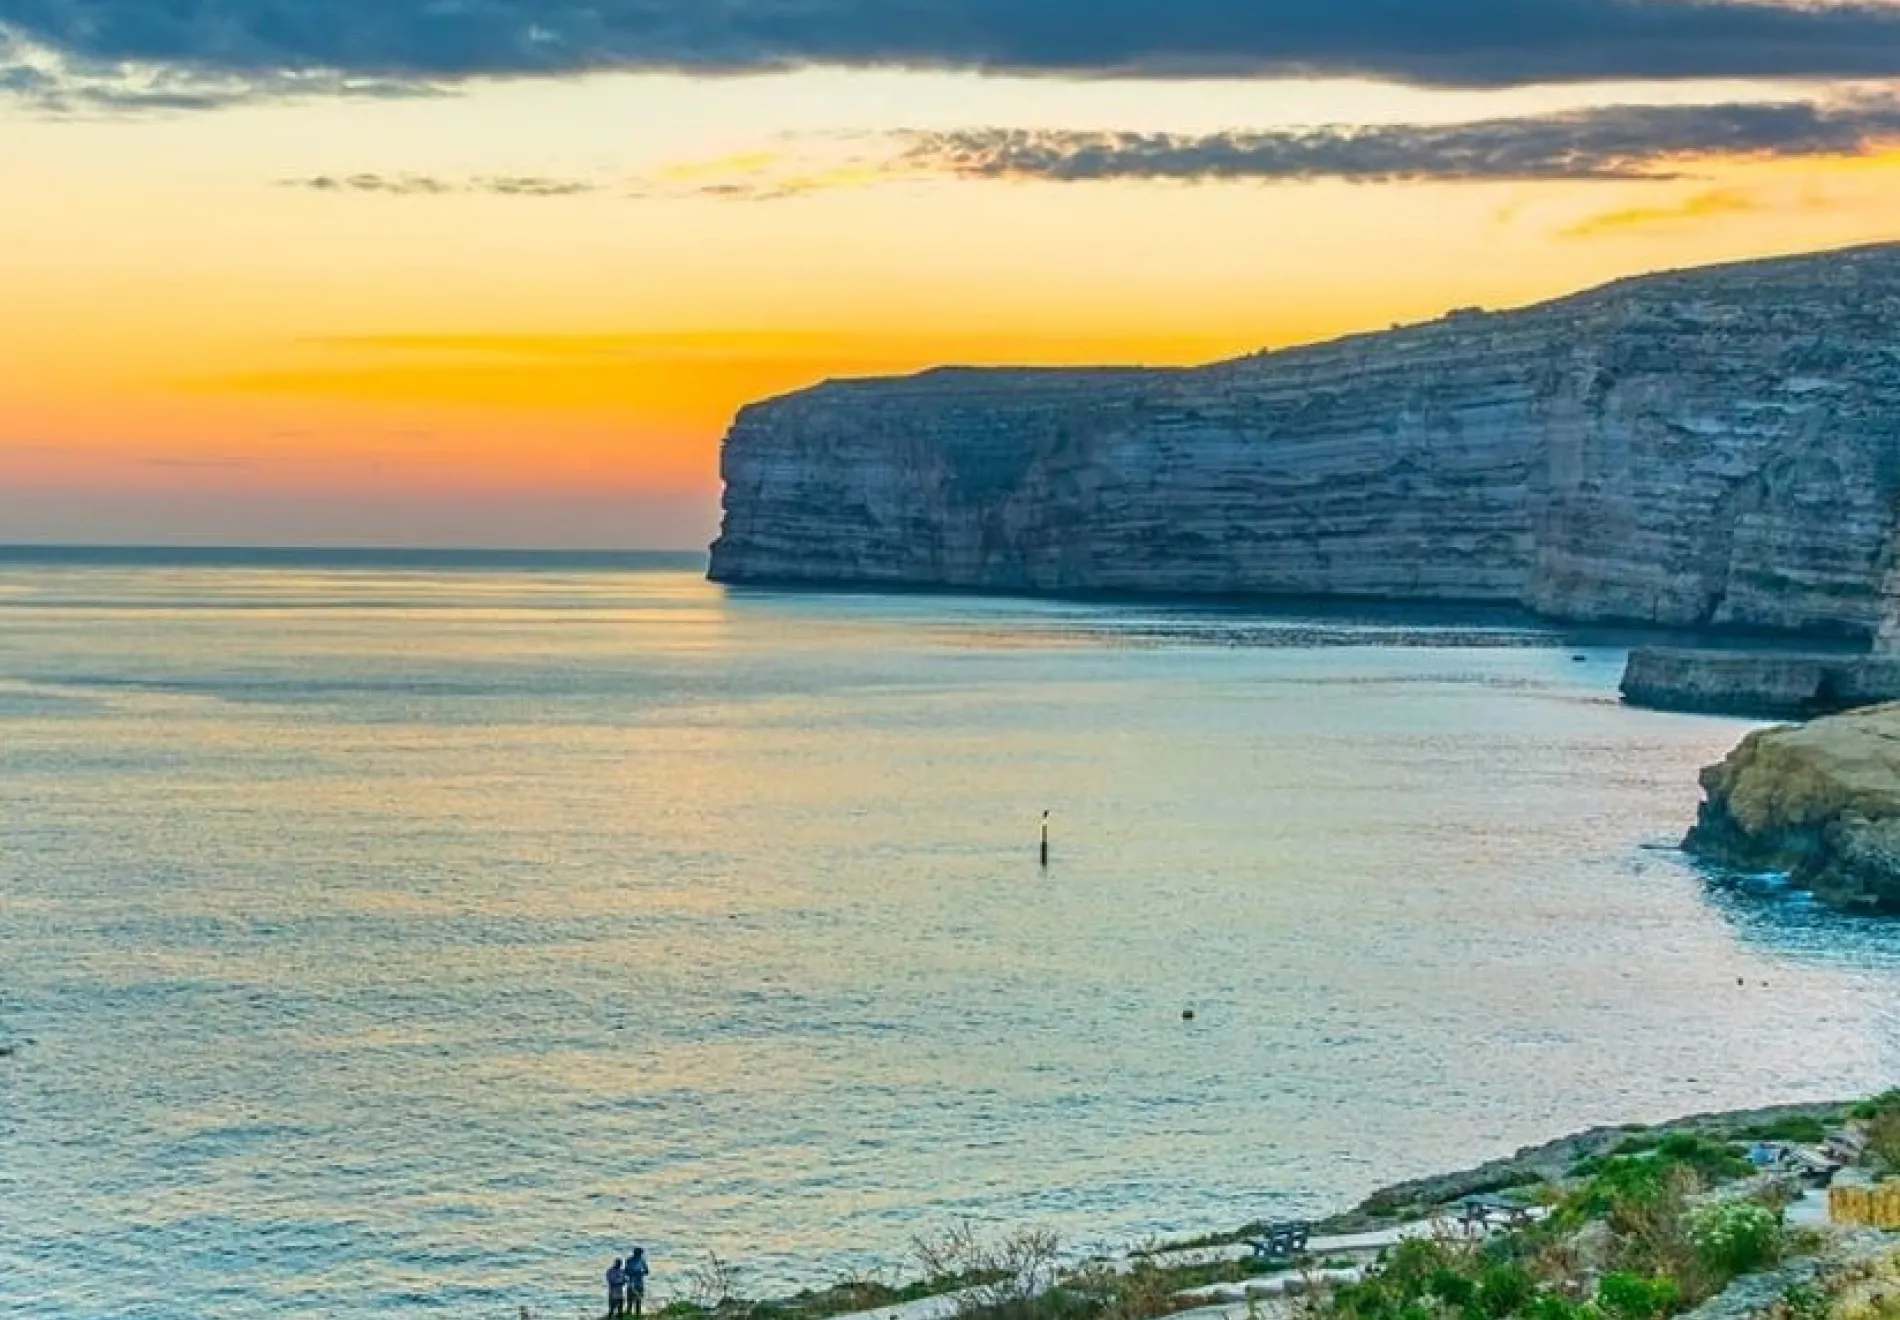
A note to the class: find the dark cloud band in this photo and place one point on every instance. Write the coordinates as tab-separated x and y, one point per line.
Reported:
1618	142
1615	142
428	185
1474	43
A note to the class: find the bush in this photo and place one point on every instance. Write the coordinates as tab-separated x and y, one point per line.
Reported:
1681	1160
1549	1307
1619	1181
1800	1129
1626	1296
1803	1301
1737	1237
1714	1161
1886	1102
1883	1139
1012	1278
1505	1290
1452	1288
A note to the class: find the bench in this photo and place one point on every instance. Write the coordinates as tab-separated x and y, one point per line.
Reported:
1281	1241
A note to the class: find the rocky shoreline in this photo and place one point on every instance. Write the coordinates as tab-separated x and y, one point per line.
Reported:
1552	1159
1412	1202
1768	684
1819	802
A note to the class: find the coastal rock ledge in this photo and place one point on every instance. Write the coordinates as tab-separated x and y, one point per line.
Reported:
1712	449
1819	801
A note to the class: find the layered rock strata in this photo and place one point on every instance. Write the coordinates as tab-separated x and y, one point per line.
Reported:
1820	801
1716	448
1772	684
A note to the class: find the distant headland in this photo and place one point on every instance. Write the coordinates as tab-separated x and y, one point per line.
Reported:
1715	449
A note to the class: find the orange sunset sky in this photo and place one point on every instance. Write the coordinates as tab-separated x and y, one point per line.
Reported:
508	307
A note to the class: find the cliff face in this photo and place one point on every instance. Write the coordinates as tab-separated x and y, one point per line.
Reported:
1718	448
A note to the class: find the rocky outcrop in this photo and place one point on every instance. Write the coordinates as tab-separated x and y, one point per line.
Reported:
1711	448
1772	684
1820	801
1550	1161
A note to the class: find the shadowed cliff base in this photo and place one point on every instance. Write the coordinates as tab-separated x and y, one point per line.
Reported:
1716	450
1768	684
1163	618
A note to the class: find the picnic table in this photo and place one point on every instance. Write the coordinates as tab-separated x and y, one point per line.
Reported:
1484	1211
1281	1241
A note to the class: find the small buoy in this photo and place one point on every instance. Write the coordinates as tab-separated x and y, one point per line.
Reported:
1187	1015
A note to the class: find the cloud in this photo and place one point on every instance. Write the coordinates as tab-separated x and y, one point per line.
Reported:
1645	143
1702	206
1614	142
1710	204
63	85
1467	43
1640	143
428	185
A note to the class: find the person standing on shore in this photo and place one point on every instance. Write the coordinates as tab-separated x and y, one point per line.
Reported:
636	1272
616	1290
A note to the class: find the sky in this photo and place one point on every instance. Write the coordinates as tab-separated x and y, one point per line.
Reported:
499	272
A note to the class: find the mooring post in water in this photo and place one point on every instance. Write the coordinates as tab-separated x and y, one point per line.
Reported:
1045	840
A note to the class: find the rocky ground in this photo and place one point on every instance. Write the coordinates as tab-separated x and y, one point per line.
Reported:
1553	1160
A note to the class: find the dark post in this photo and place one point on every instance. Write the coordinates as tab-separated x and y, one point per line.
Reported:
1045	840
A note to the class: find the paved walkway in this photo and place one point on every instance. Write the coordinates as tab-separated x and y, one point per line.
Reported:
940	1307
1811	1210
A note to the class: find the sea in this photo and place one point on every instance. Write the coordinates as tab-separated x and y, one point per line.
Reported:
389	935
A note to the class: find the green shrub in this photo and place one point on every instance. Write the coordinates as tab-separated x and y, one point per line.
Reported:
1804	1301
1547	1306
1452	1288
1626	1296
1505	1290
1737	1237
1874	1106
1883	1140
1802	1129
1715	1161
1642	1179
1620	1180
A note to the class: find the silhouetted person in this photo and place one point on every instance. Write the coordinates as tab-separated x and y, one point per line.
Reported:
636	1272
616	1290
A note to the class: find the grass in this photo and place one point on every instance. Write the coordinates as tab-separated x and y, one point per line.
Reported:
1649	1157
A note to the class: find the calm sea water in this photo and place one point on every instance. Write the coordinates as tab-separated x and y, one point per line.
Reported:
379	939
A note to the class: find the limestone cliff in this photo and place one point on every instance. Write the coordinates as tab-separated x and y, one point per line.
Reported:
1820	801
1716	447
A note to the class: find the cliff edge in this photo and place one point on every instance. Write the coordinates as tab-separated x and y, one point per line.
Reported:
1820	801
1714	448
